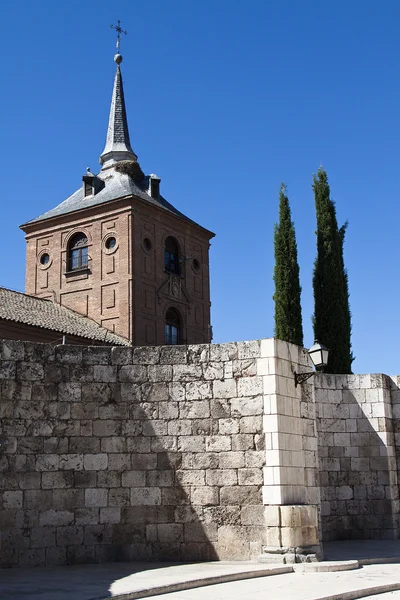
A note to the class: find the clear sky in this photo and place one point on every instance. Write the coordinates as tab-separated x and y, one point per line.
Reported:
225	100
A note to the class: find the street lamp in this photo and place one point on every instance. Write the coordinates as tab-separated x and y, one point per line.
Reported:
319	356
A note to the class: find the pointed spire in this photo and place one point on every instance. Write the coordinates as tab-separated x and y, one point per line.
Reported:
118	146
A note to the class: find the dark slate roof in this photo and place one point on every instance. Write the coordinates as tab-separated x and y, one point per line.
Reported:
39	312
117	185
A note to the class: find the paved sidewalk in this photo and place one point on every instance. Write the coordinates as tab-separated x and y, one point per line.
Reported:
138	580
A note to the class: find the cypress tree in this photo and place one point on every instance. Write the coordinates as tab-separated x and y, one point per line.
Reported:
288	324
332	318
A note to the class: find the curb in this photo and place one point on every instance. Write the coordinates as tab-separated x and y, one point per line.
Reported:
355	594
195	583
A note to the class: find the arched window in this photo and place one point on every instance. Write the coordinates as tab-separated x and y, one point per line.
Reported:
78	252
171	255
172	327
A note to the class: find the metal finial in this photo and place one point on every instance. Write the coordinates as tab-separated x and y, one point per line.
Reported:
118	29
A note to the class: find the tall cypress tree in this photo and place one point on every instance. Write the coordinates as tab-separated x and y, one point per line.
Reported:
288	324
332	318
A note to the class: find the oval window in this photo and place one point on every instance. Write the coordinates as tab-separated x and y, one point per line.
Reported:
45	259
196	264
111	242
147	244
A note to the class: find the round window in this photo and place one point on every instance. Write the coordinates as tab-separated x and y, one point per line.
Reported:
196	264
45	259
111	242
147	244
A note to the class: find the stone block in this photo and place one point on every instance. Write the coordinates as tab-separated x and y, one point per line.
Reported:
168	410
87	516
250	476
218	443
193	443
107	428
243	442
143	462
132	374
47	462
145	496
222	477
119	462
213	370
119	497
42	537
205	495
240	495
228	426
110	515
71	535
134	478
194	410
68	462
55	517
29	481
192	477
12	499
225	389
159	373
170	532
185	372
95	497
157	479
198	390
231	460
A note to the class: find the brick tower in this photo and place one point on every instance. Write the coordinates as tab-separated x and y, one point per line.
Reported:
119	253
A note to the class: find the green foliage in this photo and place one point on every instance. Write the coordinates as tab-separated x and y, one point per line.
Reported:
288	323
332	318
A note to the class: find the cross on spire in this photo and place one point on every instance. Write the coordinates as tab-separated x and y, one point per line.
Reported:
118	29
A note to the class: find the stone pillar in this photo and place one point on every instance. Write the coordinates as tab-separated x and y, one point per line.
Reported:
290	491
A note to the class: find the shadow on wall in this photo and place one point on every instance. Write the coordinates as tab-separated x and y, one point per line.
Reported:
357	456
120	454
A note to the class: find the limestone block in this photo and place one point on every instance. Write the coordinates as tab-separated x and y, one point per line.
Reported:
83	479
205	495
231	460
250	386
158	479
250	476
87	516
69	392
228	426
48	462
177	391
132	374
225	388
252	515
55	517
199	532
218	443
11	350
173	355
243	442
107	428
166	443
223	352
147	355
98	534
113	444
26	481
159	373
26	371
95	462
110	515
180	427
145	496
69	462
187	372
198	390
232	543
225	477
194	410
213	370
12	499
192	477
168	410
121	356
193	443
170	532
240	495
248	349
132	427
252	424
119	462
119	497
96	497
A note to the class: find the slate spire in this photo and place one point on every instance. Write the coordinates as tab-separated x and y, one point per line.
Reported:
118	146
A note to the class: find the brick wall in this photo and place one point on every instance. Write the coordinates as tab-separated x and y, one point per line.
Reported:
124	454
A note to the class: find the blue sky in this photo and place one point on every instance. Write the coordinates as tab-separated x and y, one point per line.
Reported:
225	100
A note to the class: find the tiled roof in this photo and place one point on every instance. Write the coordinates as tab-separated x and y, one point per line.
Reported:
39	312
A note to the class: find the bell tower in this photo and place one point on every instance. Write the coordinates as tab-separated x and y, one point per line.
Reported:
118	252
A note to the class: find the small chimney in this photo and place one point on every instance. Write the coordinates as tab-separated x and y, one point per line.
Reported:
154	186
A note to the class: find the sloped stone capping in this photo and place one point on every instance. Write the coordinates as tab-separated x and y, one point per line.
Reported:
130	454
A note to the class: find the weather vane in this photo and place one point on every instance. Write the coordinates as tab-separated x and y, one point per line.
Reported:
118	29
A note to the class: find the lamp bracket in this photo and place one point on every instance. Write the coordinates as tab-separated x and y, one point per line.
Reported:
300	378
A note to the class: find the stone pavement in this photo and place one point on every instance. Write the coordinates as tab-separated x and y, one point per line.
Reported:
186	581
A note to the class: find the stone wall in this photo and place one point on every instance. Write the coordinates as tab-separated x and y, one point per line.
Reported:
120	453
357	456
